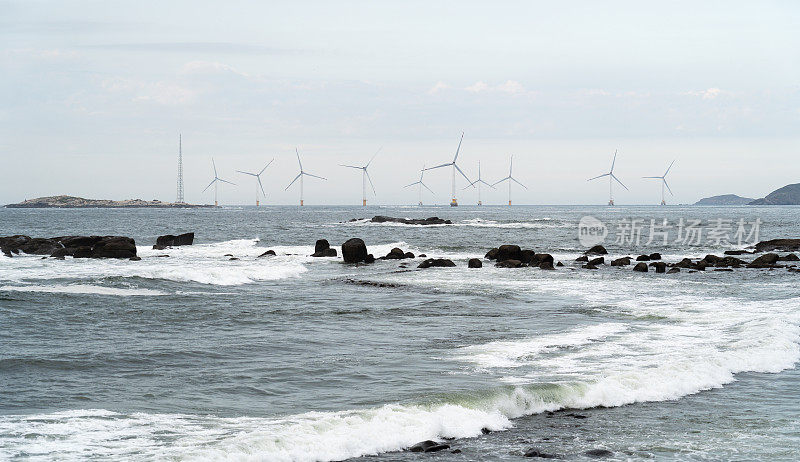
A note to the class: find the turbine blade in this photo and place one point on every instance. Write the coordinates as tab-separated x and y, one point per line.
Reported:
209	185
261	186
471	184
247	173
598	176
426	187
517	182
215	167
265	167
487	184
462	173
295	179
614	177
298	158
500	181
438	166
614	161
412	184
511	165
667	185
373	156
225	181
349	166
459	147
315	176
370	183
670	166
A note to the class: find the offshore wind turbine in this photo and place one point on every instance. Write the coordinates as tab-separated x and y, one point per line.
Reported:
478	182
510	179
421	184
364	178
454	201
258	178
663	179
611	176
215	182
300	176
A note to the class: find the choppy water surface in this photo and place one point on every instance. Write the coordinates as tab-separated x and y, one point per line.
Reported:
292	358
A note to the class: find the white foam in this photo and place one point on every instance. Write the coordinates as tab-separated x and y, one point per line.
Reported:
83	289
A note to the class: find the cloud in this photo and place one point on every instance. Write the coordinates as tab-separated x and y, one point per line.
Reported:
440	86
511	86
478	87
209	67
163	93
709	93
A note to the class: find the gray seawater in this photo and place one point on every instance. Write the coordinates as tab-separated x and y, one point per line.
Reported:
292	358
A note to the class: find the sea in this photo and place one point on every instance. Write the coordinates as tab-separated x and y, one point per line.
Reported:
191	355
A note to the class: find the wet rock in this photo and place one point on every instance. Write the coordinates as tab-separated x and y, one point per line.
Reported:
485	431
640	267
228	255
233	259
624	261
527	256
643	258
436	263
597	250
699	266
598	453
576	416
160	247
63	252
369	258
582	258
422	255
509	252
172	241
737	252
409	255
723	269
660	266
790	257
474	263
268	253
455	451
674	270
597	261
354	250
82	252
395	254
510	263
590	267
428	446
764	261
559	264
78	241
411	221
540	258
40	246
114	247
546	265
492	254
323	249
784	245
685	263
655	256
135	259
536	452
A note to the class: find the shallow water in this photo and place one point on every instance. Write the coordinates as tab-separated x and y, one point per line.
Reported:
197	357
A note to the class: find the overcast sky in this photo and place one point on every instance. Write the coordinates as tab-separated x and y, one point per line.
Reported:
93	95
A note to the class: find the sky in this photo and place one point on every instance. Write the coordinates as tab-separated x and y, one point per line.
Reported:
93	95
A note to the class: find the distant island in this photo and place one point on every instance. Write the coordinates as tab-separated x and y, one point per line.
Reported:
72	202
787	195
725	199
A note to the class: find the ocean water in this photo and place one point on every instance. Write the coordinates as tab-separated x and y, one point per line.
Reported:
193	356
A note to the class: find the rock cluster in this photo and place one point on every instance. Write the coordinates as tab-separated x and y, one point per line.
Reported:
323	249
162	242
74	246
411	221
513	256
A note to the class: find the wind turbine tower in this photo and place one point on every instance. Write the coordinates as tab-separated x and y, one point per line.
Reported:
216	182
179	200
453	200
611	177
421	184
510	179
364	177
258	178
663	179
300	177
478	182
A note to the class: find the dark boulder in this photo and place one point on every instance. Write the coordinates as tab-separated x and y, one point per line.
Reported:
597	261
63	252
643	258
40	246
784	245
660	266
369	258
354	250
582	258
546	265
540	258
510	263
640	267
764	261
82	252
78	241
527	256
559	264
170	240
428	446
135	259
268	253
436	262
509	252
536	452
160	247
685	263
588	266
597	250
655	256
114	247
624	261
674	270
598	453
409	255
323	249
492	254
395	254
736	252
411	221
789	257
474	263
422	255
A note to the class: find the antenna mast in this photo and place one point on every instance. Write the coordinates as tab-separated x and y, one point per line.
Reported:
180	171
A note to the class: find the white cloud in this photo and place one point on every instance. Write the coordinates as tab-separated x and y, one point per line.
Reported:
511	86
438	87
210	67
709	93
478	87
164	93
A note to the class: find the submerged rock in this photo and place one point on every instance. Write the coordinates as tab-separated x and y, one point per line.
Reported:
598	453
640	267
510	263
268	253
474	263
767	260
411	221
170	240
597	250
536	452
597	261
323	249
428	446
624	261
436	263
785	245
